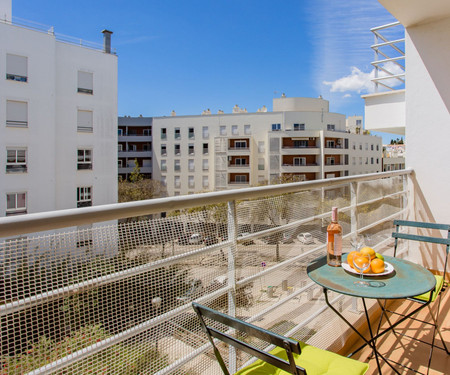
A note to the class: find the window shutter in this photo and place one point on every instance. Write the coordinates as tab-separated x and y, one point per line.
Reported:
16	113
17	65
85	81
85	120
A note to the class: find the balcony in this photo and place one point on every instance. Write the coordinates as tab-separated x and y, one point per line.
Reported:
88	302
303	168
134	154
135	138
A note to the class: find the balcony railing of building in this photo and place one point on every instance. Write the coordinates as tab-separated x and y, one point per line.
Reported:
90	290
35	26
389	61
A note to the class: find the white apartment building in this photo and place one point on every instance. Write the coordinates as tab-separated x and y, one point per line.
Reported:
58	120
300	140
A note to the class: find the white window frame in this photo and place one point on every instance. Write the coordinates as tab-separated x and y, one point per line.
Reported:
261	147
119	132
86	159
300	143
331	127
205	181
191	182
16	210
19	117
119	163
84	196
177	133
276	127
87	125
240	161
19	162
163	133
163	149
177	149
205	150
240	178
234	130
205	165
119	147
205	132
176	165
242	144
16	68
191	133
85	82
177	182
147	132
299	161
261	164
298	127
331	144
163	165
191	149
330	160
223	130
247	130
191	165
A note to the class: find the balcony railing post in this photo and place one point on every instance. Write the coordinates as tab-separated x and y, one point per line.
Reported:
232	236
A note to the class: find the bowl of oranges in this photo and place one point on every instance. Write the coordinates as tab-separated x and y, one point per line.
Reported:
378	267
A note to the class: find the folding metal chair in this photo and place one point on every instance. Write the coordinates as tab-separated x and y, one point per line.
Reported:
441	282
289	357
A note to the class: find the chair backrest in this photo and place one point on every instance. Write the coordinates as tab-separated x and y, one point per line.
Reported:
414	237
228	323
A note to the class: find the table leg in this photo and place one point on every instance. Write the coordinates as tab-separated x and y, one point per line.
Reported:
367	342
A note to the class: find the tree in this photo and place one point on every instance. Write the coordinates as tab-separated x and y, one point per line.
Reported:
139	188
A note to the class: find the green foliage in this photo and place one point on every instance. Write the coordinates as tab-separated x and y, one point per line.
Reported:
133	358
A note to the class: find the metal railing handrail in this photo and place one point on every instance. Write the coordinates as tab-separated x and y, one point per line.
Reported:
43	221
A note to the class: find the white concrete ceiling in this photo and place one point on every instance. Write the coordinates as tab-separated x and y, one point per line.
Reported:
414	12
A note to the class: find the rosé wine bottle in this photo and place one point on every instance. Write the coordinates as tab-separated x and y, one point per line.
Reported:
334	240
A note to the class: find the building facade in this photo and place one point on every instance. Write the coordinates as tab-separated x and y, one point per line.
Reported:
299	141
58	116
135	144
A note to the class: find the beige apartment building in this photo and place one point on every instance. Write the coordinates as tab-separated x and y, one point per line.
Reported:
300	140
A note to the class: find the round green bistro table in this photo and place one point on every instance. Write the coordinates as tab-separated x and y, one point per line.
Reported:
407	280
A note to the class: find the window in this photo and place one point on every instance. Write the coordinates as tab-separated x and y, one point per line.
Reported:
360	146
260	164
240	161
371	160
85	82
378	147
205	181
177	133
16	204
300	143
205	165
120	132
330	144
132	148
261	147
163	133
16	160
205	149
353	160
247	130
16	113
177	181
177	149
147	132
367	160
84	160
371	147
329	160
119	163
346	159
176	166
358	122
147	147
163	165
377	161
299	161
119	147
191	183
163	180
84	196
191	149
346	143
205	132
299	126
234	129
276	127
191	133
354	146
163	150
240	178
240	144
191	165
331	127
16	68
223	130
85	121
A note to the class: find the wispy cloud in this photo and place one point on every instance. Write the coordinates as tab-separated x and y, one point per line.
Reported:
341	42
135	39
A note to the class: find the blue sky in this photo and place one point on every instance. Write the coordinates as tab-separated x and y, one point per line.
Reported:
188	56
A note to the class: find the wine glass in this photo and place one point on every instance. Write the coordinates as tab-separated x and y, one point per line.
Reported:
361	263
357	242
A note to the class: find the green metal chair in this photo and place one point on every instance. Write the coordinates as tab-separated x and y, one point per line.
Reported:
289	356
441	283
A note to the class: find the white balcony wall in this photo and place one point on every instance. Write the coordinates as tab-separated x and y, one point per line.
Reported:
385	112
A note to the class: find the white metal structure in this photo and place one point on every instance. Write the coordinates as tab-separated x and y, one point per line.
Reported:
127	309
58	119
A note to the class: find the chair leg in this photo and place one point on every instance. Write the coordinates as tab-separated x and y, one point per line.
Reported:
437	328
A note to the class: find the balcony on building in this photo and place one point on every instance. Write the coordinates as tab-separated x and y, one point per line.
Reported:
239	161
239	145
238	178
308	144
302	163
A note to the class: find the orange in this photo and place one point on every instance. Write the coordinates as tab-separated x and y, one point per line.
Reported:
377	265
368	250
350	258
359	260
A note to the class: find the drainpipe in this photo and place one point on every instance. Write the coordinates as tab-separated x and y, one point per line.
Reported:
107	40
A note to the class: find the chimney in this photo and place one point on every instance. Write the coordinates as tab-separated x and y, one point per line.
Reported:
107	40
